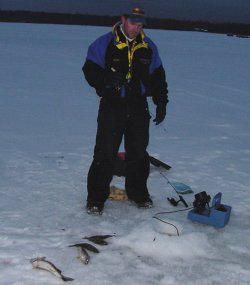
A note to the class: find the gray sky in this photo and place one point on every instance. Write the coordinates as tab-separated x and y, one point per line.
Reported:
206	10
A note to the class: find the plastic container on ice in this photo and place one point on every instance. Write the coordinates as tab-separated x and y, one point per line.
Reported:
218	215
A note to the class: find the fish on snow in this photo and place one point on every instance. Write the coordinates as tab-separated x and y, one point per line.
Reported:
86	246
42	263
99	239
83	255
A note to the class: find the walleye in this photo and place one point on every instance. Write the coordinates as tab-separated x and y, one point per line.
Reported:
42	263
86	246
83	255
99	239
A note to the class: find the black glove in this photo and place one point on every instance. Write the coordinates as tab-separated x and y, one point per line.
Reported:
160	113
111	85
114	81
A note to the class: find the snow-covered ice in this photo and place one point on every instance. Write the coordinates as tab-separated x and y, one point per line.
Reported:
47	128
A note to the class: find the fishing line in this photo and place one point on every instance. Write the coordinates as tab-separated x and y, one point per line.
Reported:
177	231
170	212
169	182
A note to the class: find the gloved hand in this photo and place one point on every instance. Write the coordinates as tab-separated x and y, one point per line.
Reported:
111	84
114	80
160	113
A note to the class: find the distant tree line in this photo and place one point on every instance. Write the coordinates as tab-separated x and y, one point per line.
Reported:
96	20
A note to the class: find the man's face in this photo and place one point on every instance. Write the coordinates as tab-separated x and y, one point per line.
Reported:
130	28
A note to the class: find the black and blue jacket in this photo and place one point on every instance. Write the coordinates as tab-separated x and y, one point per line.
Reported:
138	62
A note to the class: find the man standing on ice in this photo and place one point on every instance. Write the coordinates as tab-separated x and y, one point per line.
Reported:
124	67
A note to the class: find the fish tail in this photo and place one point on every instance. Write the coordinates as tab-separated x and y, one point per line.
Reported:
66	279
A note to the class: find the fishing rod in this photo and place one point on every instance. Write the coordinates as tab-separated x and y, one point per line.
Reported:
172	200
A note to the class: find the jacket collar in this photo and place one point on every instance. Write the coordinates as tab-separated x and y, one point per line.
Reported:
121	40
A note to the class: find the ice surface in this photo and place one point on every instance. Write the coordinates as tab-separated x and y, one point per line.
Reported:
47	128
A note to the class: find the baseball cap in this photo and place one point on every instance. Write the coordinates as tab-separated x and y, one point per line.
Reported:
137	15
